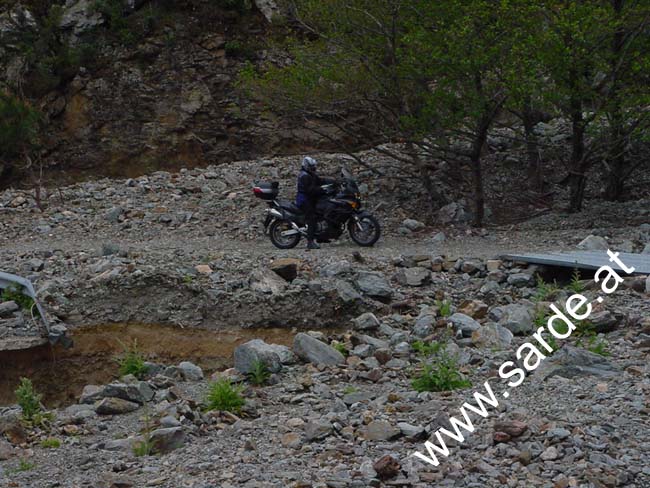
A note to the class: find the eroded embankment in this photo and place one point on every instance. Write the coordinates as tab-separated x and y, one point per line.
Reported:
60	374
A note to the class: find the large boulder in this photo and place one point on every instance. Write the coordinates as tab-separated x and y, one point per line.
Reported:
374	285
416	276
286	268
256	350
492	335
314	351
191	371
593	243
138	391
167	440
517	318
464	323
266	281
115	406
80	16
572	362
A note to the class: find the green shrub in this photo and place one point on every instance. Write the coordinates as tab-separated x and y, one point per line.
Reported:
14	293
340	347
226	397
575	285
445	307
20	126
544	290
259	373
239	49
598	346
50	443
132	362
440	374
28	400
427	349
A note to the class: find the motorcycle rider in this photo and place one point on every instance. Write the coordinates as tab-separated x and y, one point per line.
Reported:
309	189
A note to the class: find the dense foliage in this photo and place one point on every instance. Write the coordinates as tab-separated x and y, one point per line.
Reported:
437	75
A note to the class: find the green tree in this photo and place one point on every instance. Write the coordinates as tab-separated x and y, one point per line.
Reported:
19	130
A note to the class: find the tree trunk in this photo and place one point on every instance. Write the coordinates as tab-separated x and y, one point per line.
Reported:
480	138
617	161
532	150
577	165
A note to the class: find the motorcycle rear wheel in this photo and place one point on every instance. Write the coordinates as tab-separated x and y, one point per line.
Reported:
280	241
369	233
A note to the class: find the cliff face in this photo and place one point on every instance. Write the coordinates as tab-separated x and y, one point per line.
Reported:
151	85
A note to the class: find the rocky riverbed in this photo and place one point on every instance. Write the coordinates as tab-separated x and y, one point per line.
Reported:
185	251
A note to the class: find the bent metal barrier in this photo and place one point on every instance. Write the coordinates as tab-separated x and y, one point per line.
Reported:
584	260
33	331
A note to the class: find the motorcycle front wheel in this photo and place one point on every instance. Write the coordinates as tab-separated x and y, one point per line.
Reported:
365	230
277	233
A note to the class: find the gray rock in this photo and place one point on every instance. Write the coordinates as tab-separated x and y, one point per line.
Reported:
416	276
167	440
247	354
191	371
646	249
266	281
374	285
439	238
115	406
520	279
80	16
603	321
647	284
378	430
137	392
571	362
451	213
593	243
424	325
517	318
366	321
269	9
318	430
8	308
337	268
314	351
492	335
464	323
347	292
413	225
114	214
412	431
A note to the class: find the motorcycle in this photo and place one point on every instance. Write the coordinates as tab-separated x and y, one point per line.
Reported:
338	209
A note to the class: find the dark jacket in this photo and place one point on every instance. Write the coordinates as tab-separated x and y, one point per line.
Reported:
309	188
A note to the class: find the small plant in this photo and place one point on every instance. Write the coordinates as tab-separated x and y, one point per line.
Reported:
14	293
50	443
224	396
427	349
23	466
349	389
340	347
259	373
145	447
132	361
445	307
440	374
187	279
544	290
598	346
575	285
28	400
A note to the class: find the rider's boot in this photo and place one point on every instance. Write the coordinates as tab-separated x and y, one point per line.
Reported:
312	245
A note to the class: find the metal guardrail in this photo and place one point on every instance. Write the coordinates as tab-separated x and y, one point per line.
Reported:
585	260
7	280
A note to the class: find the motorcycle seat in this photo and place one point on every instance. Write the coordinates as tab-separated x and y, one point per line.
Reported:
289	206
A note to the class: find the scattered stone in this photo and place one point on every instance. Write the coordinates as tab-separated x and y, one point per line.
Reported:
415	276
115	406
378	430
374	285
517	318
464	323
287	268
190	371
314	351
247	354
366	321
167	440
387	467
492	335
593	243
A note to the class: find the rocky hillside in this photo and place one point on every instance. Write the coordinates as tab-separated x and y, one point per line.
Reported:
130	87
